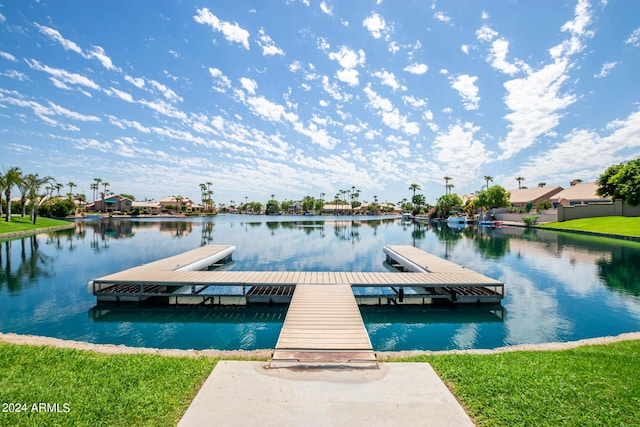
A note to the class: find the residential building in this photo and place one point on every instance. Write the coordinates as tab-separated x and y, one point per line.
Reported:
579	193
113	203
520	197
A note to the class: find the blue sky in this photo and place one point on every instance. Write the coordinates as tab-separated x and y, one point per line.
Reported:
304	97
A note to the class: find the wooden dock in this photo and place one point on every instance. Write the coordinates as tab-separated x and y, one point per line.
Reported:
478	288
428	276
323	327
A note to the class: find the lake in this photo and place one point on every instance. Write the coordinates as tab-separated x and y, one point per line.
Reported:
559	286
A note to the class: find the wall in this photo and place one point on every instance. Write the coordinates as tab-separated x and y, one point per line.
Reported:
617	208
550	215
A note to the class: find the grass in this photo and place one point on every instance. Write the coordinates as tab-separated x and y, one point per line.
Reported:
18	224
619	225
100	390
593	385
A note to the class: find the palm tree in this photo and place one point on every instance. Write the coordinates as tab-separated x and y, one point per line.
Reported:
71	185
97	187
34	182
24	189
1	191
12	177
488	178
59	187
105	185
415	187
449	187
542	184
520	179
446	183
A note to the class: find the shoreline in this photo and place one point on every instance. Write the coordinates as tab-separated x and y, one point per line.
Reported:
25	233
35	340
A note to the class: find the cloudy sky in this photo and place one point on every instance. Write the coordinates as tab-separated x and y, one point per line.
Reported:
303	97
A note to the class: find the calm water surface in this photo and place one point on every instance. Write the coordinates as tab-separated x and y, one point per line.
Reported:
560	287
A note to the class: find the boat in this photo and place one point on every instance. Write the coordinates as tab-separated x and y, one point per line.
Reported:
457	221
407	216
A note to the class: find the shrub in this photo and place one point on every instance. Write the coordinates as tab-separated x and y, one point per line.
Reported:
530	220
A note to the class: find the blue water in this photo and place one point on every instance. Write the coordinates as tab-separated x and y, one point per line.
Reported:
560	287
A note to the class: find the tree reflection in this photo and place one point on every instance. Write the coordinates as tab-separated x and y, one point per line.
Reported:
622	273
32	267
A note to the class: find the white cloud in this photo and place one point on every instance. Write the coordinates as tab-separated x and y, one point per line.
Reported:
376	25
166	92
348	59
249	85
465	49
414	102
486	33
389	79
57	109
348	76
390	115
577	28
587	153
326	8
271	111
459	138
56	36
535	102
232	32
634	38
63	75
604	71
268	46
441	16
120	94
14	74
98	53
222	82
136	81
416	68
164	108
466	87
497	57
7	56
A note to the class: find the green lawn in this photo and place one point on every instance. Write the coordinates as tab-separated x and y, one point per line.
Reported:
595	385
99	390
591	385
623	226
18	223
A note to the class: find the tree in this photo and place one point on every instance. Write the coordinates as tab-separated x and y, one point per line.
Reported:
273	207
621	181
96	186
418	200
12	177
447	203
414	187
541	184
520	179
446	184
71	185
488	178
494	197
34	182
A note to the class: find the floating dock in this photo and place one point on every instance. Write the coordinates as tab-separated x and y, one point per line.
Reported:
178	280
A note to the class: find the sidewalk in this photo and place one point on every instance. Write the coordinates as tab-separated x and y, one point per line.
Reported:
249	394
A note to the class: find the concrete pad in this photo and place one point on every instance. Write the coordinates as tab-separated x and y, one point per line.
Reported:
250	394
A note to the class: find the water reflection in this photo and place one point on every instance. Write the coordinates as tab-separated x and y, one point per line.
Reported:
559	286
23	265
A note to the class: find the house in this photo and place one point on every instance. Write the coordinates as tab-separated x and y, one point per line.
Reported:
113	203
579	193
337	208
151	206
521	196
185	203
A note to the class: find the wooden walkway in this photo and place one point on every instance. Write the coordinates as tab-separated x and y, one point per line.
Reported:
323	327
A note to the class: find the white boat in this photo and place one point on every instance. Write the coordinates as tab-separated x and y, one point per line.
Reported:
457	221
407	216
